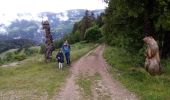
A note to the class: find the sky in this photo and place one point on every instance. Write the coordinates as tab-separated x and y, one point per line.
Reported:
9	9
35	6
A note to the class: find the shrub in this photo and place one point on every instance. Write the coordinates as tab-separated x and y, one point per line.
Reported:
20	57
93	34
58	43
30	51
42	48
1	61
9	56
139	58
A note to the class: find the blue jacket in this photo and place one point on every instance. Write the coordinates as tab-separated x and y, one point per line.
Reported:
66	48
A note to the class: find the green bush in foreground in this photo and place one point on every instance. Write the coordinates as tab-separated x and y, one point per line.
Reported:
135	78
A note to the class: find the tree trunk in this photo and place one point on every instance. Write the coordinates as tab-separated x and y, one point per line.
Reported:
49	46
148	20
166	45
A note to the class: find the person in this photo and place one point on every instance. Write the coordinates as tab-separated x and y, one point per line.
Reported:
60	58
66	49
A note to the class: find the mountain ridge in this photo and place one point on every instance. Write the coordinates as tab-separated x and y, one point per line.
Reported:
25	27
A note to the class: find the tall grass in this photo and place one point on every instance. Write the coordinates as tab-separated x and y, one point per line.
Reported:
135	78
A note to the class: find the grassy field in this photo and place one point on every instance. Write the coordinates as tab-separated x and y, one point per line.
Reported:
35	80
135	78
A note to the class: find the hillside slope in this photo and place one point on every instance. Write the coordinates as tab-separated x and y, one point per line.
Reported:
35	80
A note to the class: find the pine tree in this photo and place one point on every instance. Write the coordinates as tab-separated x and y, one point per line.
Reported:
127	21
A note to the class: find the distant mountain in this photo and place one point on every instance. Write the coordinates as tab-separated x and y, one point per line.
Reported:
28	26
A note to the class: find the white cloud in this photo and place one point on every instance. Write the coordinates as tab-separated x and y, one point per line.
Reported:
8	18
2	30
63	16
34	6
10	8
44	18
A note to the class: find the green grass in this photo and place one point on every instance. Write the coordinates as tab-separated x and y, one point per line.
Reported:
35	75
40	76
3	53
15	55
81	48
135	78
86	82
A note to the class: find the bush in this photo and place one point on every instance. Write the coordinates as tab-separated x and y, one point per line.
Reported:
139	58
42	49
58	43
13	56
93	34
74	37
9	56
20	57
30	51
1	61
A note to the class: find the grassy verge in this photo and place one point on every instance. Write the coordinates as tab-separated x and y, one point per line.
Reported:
35	79
135	78
85	83
81	49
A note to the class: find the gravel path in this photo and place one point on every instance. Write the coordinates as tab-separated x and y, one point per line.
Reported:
105	89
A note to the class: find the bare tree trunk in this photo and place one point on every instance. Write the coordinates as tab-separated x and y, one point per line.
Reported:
49	47
166	45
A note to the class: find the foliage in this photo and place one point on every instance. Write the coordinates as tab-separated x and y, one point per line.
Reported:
127	21
20	57
93	34
18	54
83	28
15	43
99	20
42	49
145	86
58	43
31	51
80	49
13	56
1	61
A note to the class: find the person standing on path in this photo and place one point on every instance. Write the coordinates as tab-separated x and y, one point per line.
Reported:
66	49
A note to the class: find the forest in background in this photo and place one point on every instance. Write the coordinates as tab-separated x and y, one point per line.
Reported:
127	22
124	24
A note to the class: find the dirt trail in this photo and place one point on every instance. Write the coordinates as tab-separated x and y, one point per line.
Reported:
105	89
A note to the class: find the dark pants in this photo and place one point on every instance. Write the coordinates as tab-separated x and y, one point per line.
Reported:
67	55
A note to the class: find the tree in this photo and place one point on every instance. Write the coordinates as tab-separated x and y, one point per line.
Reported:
93	34
87	21
126	22
132	19
99	20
